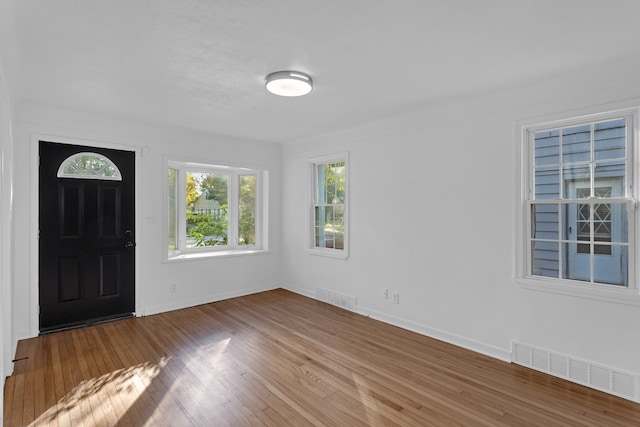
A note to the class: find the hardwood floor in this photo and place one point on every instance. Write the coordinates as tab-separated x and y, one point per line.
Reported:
280	359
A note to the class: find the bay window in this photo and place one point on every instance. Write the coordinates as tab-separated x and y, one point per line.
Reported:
213	209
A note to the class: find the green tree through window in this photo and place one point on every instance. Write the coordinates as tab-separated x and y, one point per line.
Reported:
330	206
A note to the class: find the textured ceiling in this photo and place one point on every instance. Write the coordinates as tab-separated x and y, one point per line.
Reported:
201	64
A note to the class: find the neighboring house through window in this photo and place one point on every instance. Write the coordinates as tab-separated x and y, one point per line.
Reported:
579	202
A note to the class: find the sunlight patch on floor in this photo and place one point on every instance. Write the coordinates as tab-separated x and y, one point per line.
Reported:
370	405
208	365
103	400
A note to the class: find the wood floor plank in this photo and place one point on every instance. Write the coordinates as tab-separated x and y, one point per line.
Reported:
280	359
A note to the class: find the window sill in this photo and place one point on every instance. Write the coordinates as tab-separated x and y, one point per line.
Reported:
215	254
329	253
607	293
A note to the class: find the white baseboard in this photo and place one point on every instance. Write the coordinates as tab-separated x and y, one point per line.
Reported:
299	291
469	344
178	305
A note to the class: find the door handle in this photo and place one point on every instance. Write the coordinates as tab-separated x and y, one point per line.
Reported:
129	245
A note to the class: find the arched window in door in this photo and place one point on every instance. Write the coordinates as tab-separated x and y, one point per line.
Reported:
89	166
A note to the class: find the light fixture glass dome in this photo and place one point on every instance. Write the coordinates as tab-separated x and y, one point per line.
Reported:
288	83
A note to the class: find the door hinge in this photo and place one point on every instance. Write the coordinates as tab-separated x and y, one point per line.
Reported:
38	234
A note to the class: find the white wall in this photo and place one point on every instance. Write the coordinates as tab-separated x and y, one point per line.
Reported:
5	236
198	281
432	214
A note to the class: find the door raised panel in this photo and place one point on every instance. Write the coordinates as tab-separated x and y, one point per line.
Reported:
109	275
69	278
71	210
109	212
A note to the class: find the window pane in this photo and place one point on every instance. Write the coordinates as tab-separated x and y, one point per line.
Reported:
321	215
610	175
615	272
547	148
577	179
337	227
583	228
577	265
610	140
330	195
544	221
321	182
206	199
340	179
329	227
331	183
172	180
547	183
596	235
576	144
247	210
545	259
619	223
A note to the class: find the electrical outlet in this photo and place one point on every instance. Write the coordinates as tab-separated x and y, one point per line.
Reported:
396	298
172	287
384	293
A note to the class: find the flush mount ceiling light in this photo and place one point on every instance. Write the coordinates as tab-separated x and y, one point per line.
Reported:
288	83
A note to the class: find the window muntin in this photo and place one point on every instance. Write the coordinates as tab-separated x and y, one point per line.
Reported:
212	209
329	206
580	204
89	166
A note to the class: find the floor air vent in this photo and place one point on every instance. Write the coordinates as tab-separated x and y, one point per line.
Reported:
592	375
337	299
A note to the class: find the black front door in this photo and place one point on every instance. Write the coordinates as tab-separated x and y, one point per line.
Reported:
86	239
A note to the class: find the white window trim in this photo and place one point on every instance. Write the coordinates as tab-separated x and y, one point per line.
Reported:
232	249
311	247
610	293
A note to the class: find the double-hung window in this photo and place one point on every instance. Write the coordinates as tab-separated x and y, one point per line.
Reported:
329	189
579	202
213	210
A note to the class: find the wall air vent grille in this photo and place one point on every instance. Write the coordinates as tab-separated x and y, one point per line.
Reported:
558	365
600	377
589	374
623	384
335	298
579	371
521	354
540	359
